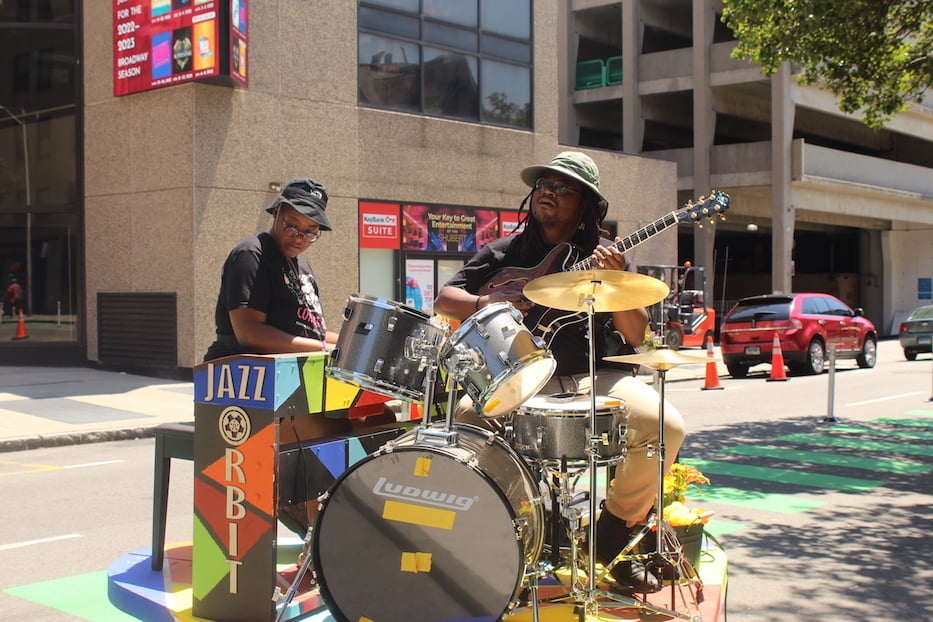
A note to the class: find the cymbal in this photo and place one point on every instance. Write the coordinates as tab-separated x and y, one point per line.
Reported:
611	290
661	359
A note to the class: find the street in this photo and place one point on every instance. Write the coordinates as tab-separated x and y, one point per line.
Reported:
820	521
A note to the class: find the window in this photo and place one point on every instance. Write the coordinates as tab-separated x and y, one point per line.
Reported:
462	59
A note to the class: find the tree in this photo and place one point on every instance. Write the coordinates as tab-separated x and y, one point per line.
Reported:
876	56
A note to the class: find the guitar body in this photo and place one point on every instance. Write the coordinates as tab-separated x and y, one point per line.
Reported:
512	281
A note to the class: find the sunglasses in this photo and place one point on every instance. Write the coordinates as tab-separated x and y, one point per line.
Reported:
557	187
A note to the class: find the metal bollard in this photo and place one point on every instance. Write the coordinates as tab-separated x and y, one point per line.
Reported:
830	408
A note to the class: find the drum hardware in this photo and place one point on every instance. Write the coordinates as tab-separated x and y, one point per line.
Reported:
286	599
607	291
664	556
592	291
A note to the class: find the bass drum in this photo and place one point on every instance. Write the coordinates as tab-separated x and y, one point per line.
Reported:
422	532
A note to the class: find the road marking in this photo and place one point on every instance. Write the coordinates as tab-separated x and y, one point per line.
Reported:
853	429
884	399
852	443
772	502
19	545
817	457
90	464
28	467
785	476
912	423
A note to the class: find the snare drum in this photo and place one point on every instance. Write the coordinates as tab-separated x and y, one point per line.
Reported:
381	346
502	363
424	531
554	427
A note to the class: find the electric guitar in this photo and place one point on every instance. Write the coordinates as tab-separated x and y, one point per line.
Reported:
561	258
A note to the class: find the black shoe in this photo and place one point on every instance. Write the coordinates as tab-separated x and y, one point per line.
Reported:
630	575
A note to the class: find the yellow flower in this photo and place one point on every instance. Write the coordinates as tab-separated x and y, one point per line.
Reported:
677	483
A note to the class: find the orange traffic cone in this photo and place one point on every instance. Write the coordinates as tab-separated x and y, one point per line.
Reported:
21	328
777	361
712	374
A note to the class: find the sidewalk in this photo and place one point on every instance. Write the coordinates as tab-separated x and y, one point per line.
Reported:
53	406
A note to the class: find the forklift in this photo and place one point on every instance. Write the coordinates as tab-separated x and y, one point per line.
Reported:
683	319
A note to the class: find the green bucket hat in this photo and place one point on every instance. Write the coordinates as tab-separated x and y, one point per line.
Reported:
573	164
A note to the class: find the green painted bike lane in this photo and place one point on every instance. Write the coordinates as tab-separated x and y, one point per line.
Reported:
786	448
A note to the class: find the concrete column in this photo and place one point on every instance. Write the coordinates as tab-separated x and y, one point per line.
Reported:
568	42
782	204
633	124
704	130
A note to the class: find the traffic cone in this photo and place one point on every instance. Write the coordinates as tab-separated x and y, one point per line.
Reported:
777	361
712	374
21	328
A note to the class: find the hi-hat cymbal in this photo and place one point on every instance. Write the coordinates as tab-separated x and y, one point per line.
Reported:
661	359
610	290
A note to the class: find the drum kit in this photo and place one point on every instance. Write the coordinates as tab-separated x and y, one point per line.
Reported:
449	520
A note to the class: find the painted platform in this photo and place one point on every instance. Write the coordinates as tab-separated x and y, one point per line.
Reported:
165	596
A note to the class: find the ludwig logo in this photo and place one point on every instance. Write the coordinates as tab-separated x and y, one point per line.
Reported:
451	501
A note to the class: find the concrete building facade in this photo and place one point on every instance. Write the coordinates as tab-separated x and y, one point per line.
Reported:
801	173
167	180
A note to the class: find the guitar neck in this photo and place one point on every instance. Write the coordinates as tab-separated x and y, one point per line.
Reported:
629	242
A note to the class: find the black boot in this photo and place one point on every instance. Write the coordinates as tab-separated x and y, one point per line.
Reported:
631	575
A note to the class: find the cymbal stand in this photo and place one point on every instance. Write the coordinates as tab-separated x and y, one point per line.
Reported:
663	555
591	605
293	588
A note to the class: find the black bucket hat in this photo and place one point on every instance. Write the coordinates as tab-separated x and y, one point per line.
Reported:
308	197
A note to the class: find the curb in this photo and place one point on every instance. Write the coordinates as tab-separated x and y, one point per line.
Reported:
79	438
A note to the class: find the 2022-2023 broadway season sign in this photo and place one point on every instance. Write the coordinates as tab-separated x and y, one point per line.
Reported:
164	42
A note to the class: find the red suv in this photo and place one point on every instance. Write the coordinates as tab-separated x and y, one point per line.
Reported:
807	325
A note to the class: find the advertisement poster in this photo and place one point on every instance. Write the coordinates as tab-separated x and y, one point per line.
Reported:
238	39
508	224
454	229
164	42
419	284
379	227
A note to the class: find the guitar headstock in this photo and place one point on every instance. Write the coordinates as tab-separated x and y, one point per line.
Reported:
706	208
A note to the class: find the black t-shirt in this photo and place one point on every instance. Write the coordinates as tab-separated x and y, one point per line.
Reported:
256	275
567	338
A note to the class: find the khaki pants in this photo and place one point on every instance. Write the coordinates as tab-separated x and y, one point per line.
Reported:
635	485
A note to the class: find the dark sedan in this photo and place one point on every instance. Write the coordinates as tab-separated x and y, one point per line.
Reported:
916	332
